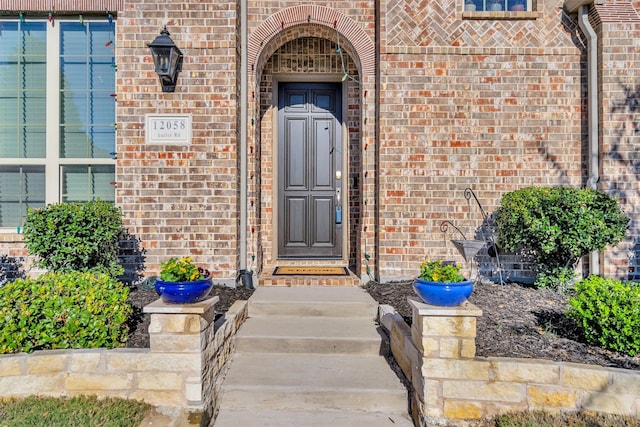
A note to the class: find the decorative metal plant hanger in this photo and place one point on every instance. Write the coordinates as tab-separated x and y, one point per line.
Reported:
469	248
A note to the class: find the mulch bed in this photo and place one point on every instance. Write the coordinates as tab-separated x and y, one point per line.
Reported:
139	296
517	321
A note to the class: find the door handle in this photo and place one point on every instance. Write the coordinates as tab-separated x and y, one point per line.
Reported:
338	207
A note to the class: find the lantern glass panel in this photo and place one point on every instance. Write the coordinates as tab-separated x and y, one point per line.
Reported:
162	60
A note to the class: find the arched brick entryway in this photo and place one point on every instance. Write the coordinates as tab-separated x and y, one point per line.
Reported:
329	33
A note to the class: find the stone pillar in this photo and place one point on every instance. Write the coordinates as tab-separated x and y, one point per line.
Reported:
183	329
444	332
444	336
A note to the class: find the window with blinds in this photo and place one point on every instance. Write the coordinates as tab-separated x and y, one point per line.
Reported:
87	110
68	156
20	187
81	182
23	72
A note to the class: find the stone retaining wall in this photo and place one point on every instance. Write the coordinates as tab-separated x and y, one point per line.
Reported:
182	370
450	384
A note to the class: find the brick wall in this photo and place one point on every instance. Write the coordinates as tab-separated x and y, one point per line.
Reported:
490	105
180	199
461	105
494	105
617	26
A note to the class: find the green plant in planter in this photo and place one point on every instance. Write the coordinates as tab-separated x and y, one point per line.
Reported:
440	283
438	271
556	226
181	270
78	236
182	282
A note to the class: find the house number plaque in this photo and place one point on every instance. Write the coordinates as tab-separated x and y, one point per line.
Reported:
168	129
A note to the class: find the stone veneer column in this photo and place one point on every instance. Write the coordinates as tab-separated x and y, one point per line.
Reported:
444	336
183	328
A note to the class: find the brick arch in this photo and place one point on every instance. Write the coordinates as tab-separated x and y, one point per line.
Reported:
353	37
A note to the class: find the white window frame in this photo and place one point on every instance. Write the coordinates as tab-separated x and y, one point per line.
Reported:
531	11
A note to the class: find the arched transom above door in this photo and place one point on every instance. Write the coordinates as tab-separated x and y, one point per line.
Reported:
353	37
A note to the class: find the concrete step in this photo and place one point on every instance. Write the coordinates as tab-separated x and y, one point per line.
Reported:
312	301
310	356
326	335
309	382
272	418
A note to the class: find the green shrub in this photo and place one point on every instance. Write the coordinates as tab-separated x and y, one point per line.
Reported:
79	236
557	226
63	310
608	312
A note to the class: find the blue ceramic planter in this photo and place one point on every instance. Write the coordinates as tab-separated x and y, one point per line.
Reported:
442	294
183	292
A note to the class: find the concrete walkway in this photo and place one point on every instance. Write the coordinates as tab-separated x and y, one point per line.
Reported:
311	356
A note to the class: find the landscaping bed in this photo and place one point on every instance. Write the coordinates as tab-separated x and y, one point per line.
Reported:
518	321
139	296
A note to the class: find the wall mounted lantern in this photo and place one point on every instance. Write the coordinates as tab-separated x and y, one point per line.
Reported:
167	59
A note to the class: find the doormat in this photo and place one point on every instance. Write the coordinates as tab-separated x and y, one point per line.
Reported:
310	271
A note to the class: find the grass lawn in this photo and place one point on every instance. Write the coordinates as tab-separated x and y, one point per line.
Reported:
86	411
543	419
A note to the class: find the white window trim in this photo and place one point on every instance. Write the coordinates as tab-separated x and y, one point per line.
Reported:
52	168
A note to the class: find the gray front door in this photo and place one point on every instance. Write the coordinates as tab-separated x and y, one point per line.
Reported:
309	170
